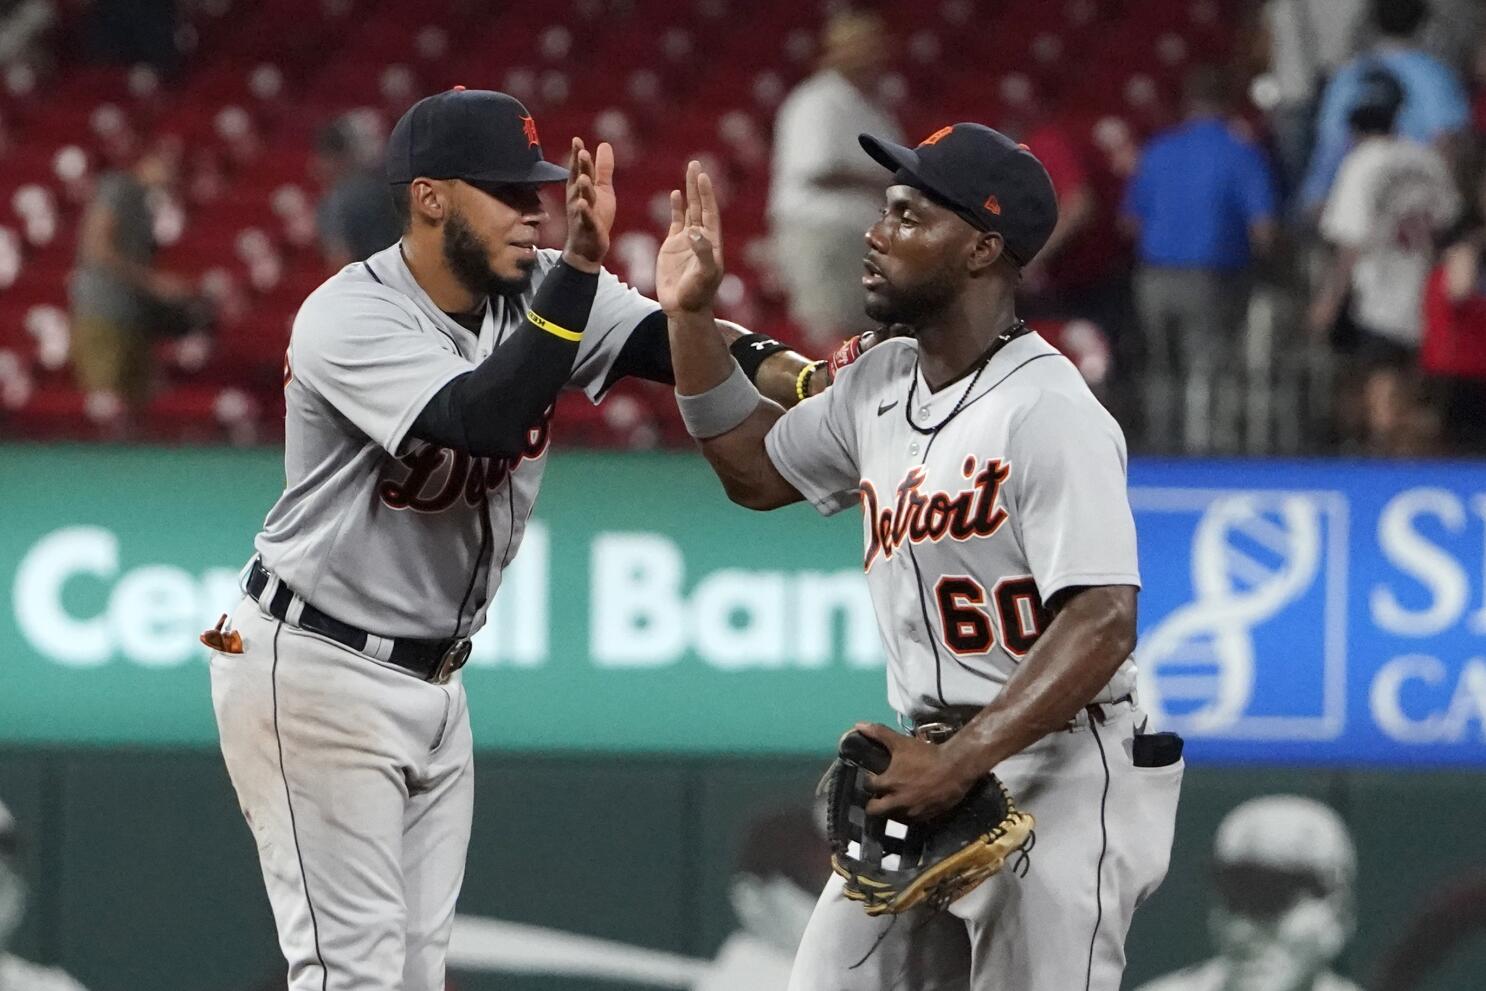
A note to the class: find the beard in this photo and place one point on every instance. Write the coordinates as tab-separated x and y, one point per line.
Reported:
468	256
912	307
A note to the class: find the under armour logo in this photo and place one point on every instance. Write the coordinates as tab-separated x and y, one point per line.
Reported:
759	345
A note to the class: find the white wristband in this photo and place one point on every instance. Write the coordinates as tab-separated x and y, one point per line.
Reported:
721	408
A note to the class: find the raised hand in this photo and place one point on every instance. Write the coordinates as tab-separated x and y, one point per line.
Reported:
688	269
590	206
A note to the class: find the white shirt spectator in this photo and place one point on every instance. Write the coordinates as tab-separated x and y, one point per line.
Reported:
1391	199
815	135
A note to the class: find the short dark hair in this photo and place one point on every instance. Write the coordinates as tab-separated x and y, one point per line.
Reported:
1399	18
1380	97
402	203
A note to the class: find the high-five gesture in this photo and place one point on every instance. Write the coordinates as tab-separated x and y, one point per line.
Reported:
590	206
689	267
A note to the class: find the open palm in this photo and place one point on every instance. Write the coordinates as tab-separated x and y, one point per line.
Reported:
689	269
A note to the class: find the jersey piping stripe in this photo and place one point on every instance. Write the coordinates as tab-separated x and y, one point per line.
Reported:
378	280
1103	848
479	560
992	387
543	323
304	879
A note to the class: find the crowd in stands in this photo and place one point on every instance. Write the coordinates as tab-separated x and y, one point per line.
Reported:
1273	212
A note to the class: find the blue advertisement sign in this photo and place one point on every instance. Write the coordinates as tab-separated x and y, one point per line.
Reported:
1315	612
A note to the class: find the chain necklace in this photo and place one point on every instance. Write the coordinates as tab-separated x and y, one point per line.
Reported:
1004	338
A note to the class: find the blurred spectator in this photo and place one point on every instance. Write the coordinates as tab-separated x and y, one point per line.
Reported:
1392	199
355	217
1454	348
1307	41
826	192
17	974
1435	110
1284	868
21	24
120	301
1453	30
1202	200
1081	273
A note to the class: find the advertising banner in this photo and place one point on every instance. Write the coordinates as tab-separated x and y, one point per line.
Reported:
1292	611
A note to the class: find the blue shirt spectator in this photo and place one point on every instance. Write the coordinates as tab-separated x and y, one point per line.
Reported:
1435	103
1197	194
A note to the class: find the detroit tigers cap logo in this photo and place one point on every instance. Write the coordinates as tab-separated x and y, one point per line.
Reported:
529	128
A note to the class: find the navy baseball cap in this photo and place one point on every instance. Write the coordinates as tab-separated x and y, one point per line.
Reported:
992	182
478	135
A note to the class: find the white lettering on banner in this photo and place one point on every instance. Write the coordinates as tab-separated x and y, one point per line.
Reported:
154	612
758	598
1477	622
641	615
1428	564
1447	724
37	598
516	629
635	589
735	619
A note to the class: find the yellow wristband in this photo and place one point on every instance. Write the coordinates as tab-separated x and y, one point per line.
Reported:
802	381
544	324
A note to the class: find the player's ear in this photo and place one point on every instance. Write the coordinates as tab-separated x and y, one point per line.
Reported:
985	251
429	200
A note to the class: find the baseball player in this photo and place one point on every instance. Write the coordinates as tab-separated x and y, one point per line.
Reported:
1000	556
418	387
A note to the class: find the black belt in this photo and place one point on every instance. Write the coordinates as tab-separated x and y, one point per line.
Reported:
431	660
946	723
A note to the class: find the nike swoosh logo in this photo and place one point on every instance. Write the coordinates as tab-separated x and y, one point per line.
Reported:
884	407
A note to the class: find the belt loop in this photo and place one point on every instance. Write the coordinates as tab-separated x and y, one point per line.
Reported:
265	598
378	647
295	611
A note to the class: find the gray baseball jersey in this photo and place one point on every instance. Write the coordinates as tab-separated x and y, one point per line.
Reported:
971	528
374	527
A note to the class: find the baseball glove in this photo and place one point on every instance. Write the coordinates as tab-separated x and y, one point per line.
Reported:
933	861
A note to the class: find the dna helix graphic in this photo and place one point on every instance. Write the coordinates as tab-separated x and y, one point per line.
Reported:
1252	555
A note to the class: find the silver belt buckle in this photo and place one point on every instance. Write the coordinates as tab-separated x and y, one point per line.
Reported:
935	732
453	659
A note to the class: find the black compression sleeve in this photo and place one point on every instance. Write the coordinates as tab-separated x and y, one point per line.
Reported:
646	353
487	412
